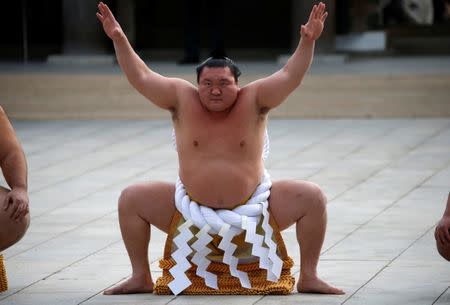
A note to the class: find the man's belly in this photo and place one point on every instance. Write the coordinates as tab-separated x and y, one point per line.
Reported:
220	185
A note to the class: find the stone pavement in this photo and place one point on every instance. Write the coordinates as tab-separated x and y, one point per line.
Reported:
386	180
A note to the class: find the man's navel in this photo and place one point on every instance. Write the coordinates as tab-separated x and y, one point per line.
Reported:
195	143
242	144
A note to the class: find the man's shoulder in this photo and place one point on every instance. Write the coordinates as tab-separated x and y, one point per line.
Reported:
185	88
247	93
184	84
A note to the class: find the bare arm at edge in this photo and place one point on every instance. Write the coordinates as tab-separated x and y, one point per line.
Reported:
14	168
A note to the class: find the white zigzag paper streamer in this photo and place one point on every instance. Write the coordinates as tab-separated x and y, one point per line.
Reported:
227	233
277	263
255	239
200	259
181	281
227	224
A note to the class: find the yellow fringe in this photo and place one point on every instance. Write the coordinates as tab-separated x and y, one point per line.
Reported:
229	285
3	278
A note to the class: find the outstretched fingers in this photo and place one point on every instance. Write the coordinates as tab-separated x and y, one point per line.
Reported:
320	11
317	11
100	17
313	13
106	12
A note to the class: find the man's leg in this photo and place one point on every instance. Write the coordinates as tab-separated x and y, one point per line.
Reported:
304	204
11	231
140	206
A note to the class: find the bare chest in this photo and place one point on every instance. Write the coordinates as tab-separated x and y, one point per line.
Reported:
240	132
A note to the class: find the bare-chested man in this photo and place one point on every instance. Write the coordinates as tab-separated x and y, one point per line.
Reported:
220	137
14	216
442	233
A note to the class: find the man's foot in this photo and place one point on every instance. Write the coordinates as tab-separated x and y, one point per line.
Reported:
316	285
131	285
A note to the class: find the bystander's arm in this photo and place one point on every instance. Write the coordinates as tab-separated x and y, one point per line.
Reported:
14	168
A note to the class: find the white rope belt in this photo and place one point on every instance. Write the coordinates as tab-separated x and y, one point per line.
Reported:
227	224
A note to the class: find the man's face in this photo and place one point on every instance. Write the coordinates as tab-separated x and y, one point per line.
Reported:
217	88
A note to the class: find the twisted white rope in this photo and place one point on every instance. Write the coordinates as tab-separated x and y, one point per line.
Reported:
227	224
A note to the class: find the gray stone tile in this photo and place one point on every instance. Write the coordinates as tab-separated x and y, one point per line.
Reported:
339	273
135	299
444	298
418	276
66	298
386	181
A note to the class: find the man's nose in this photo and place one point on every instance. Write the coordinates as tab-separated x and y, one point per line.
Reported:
215	91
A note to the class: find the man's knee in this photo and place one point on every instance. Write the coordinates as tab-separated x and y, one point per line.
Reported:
318	198
126	198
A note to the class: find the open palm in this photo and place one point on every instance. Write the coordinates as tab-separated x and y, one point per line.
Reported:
110	25
314	27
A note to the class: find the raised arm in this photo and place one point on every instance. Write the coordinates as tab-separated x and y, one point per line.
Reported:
158	89
274	89
14	167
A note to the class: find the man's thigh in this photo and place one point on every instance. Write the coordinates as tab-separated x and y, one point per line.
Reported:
291	199
153	201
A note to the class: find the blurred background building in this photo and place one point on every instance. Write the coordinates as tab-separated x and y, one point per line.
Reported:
42	29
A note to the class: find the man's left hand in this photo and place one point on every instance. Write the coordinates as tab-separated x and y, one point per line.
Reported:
314	27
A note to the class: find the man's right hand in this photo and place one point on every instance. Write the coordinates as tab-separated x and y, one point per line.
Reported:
110	25
442	233
16	201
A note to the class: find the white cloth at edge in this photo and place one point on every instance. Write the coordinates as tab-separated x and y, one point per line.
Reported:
419	11
227	224
266	148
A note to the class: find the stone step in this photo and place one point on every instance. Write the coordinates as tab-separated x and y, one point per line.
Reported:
109	96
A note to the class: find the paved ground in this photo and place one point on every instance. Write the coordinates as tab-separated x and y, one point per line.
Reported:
386	180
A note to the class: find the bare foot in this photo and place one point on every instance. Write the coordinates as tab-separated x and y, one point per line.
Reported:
316	285
132	285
